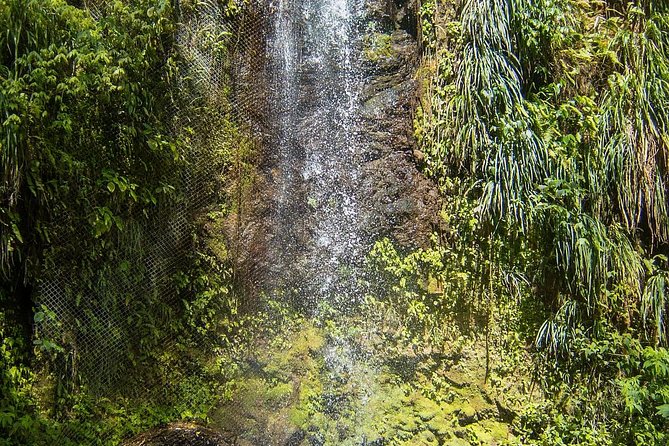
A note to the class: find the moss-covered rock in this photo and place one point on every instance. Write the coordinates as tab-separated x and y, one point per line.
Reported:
377	46
342	379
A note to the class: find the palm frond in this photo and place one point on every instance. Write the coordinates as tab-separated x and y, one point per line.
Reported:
654	304
635	122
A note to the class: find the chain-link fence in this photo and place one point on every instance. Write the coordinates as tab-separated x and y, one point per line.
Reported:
219	45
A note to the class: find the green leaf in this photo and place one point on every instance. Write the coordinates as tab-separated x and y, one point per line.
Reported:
663	410
17	233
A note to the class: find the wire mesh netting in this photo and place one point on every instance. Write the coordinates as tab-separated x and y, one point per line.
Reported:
96	325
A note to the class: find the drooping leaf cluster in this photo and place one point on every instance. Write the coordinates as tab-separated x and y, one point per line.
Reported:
558	110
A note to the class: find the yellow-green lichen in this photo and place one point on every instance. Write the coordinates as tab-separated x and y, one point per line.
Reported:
377	46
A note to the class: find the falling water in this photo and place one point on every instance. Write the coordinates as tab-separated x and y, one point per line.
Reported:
335	175
318	246
316	230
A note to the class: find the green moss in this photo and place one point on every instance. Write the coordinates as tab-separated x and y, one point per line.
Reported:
279	394
377	46
377	401
457	442
407	423
491	431
427	409
298	416
441	425
250	391
296	354
476	401
426	438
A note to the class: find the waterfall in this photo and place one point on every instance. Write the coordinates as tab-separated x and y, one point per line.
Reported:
315	84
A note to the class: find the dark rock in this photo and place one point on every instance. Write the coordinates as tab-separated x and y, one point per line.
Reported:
461	433
404	204
394	14
505	414
297	438
180	434
466	417
401	202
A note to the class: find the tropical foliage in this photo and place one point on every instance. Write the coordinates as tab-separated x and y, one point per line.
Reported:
91	165
84	135
545	125
554	113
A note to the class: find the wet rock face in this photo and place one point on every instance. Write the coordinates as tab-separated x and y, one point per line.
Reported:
336	129
402	203
406	201
389	95
394	14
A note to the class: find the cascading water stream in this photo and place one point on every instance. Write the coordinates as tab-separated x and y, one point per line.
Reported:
316	231
336	176
318	243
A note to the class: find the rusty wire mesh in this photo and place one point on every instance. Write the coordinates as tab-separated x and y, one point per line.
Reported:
216	49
